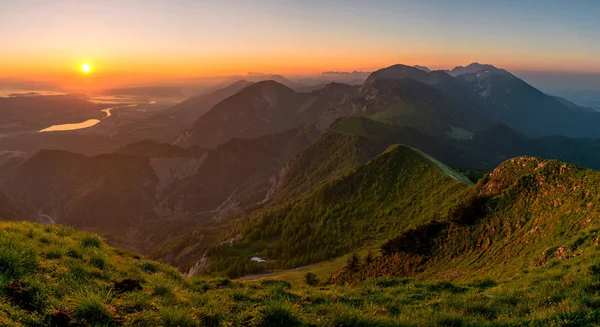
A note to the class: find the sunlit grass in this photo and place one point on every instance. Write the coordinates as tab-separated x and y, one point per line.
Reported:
83	285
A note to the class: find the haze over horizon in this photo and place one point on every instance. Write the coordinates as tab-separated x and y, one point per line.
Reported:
158	40
269	163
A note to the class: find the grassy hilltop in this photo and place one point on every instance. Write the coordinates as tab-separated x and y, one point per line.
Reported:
56	276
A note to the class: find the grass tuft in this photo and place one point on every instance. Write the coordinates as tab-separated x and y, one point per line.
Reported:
176	317
91	308
93	241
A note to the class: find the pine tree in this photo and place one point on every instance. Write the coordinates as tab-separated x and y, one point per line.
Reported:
369	258
311	279
353	262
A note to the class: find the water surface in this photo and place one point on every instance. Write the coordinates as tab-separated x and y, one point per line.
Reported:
74	126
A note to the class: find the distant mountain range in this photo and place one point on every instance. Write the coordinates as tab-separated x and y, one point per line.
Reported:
262	108
193	108
361	190
253	146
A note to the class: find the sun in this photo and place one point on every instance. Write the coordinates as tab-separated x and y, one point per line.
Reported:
86	68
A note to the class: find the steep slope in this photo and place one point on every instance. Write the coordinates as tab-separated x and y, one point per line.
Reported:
351	142
488	149
263	108
431	102
235	175
148	192
527	213
399	188
348	144
186	112
151	148
512	101
108	191
464	101
11	210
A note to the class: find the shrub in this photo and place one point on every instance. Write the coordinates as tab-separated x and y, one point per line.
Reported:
30	233
353	262
311	279
484	283
414	241
470	210
595	270
369	258
149	266
387	282
210	320
276	315
445	286
276	283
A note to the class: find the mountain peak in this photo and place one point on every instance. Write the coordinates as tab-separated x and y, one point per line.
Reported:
474	67
398	71
269	86
423	68
240	82
269	82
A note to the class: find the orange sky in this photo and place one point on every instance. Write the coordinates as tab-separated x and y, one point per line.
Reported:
109	71
151	41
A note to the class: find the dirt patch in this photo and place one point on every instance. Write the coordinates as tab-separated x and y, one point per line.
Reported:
19	296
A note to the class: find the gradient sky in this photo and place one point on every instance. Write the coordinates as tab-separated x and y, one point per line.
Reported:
184	38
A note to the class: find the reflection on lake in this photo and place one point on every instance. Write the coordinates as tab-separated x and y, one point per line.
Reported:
107	112
70	127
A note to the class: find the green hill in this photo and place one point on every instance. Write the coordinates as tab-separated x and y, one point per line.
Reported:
520	248
527	214
349	143
56	276
400	188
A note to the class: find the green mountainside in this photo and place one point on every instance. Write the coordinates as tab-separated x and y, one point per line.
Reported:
350	142
519	248
360	192
340	151
527	214
399	188
65	185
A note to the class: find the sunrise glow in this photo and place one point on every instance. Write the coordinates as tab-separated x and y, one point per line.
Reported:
136	44
86	68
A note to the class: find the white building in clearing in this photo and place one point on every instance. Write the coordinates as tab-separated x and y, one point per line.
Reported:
257	259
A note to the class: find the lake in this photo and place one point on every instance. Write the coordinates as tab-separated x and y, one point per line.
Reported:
73	126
